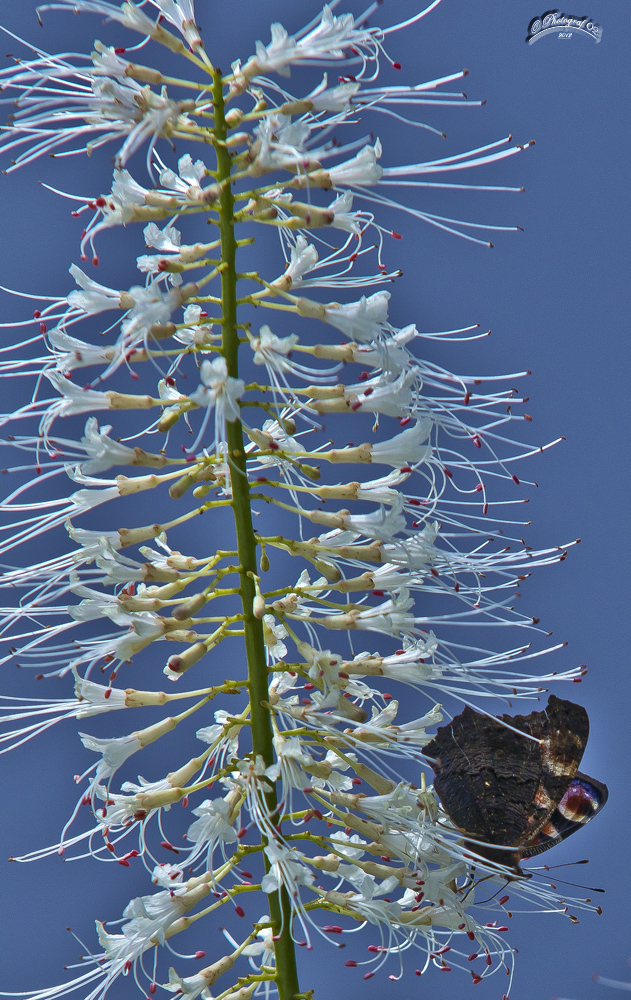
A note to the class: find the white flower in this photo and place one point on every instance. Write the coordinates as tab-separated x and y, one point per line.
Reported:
273	635
381	524
287	869
344	218
406	448
219	389
74	399
391	617
271	350
327	40
103	452
363	169
115	752
181	14
187	181
96	698
337	98
94	298
364	320
214	824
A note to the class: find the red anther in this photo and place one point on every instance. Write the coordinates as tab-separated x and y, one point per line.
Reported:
128	966
505	996
368	975
396	65
467	397
241	833
503	899
43	328
476	979
329	823
123	862
110	848
363	376
302	944
309	686
386	696
168	847
190	459
356	781
373	948
244	881
413	502
479	488
418	899
356	405
399	652
476	440
448	473
37	314
273	446
417	972
185	802
332	929
445	968
140	814
317	813
406	468
307	816
247	874
353	257
107	694
456	587
396	236
472	958
471	935
199	954
347	830
240	912
485	509
434	572
169	380
461	927
135	375
378	593
153	988
515	479
502	929
95	261
119	50
342	673
305	701
489	960
351	963
381	267
369	391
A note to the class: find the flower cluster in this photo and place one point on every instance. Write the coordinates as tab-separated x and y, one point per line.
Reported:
397	540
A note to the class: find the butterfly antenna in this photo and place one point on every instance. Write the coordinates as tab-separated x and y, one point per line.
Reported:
575	885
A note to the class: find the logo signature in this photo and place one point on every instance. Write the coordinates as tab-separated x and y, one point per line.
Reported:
563	26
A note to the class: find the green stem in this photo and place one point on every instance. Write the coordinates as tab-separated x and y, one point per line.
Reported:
279	905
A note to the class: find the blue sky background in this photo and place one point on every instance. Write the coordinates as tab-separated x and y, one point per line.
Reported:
557	299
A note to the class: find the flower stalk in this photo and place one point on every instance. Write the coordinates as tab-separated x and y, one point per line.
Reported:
286	975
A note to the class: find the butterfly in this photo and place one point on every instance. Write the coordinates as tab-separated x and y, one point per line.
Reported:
514	797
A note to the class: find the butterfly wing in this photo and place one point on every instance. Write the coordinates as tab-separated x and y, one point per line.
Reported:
584	798
501	787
